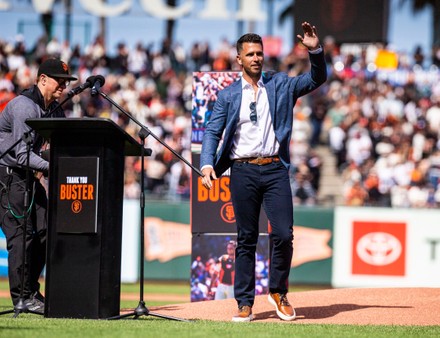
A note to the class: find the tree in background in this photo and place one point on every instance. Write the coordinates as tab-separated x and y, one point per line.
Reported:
419	5
434	5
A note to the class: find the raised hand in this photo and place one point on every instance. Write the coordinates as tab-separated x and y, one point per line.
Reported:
310	38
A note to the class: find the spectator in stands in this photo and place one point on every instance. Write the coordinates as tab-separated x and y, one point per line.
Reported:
359	146
356	195
180	174
419	56
132	188
6	92
137	60
302	190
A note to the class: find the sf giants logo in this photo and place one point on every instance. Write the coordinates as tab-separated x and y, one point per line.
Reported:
219	192
76	207
227	213
65	67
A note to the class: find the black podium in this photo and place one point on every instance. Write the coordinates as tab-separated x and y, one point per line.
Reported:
86	183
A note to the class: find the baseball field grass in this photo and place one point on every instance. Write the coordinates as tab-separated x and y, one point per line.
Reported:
159	294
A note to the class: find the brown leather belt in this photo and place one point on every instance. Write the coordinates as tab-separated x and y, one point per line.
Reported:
259	160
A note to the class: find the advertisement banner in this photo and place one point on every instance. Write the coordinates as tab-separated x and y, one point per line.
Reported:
383	247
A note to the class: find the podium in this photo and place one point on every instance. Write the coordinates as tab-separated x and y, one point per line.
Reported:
84	236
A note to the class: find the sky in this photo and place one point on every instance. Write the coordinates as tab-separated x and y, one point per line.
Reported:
406	30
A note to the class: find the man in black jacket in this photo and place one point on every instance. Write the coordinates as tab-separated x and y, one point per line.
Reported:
35	102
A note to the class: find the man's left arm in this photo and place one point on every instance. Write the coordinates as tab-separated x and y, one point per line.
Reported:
318	71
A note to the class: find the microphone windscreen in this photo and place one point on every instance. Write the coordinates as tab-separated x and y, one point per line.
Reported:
91	80
100	79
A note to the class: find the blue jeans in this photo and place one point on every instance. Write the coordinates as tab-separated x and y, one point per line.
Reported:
251	187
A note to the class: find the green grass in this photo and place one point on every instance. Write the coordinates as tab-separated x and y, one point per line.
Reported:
170	288
175	288
29	325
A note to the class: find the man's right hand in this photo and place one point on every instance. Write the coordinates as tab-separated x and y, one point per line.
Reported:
208	174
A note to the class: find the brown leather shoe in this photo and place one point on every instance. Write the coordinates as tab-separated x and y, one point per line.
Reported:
244	314
284	310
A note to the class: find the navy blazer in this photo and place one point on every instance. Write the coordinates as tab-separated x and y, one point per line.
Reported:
282	92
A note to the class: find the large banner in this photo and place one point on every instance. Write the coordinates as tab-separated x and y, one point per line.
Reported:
211	210
382	247
213	223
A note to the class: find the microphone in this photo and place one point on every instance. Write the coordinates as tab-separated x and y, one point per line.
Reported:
99	82
89	83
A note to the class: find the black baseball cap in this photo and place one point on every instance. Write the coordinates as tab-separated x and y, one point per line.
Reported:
56	68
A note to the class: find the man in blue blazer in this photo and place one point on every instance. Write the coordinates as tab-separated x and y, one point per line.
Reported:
252	119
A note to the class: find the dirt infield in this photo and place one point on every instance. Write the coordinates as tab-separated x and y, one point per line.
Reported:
365	306
369	306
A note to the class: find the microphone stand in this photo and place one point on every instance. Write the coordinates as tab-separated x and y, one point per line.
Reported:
141	309
21	306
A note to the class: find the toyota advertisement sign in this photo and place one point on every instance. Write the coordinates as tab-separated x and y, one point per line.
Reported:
386	247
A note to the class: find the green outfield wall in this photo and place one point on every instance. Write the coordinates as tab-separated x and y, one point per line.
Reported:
312	270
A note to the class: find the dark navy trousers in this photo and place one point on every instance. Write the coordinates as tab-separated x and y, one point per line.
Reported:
253	186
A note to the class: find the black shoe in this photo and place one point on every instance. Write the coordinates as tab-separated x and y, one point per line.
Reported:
35	303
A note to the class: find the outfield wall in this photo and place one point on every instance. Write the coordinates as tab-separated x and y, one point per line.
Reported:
345	246
168	243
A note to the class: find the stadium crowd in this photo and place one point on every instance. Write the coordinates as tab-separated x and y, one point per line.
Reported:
381	122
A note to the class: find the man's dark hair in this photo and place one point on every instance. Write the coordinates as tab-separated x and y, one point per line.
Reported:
249	38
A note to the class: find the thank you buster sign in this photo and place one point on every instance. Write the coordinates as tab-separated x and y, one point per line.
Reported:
386	247
77	197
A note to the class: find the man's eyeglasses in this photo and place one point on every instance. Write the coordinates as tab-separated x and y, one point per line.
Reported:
253	114
61	82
